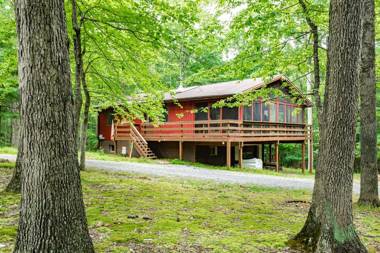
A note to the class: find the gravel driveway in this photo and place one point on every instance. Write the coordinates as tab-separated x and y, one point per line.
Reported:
221	176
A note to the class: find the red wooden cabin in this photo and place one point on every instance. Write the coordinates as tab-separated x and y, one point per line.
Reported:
219	136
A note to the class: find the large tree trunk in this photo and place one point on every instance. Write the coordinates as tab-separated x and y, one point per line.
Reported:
329	226
337	232
369	194
86	111
52	215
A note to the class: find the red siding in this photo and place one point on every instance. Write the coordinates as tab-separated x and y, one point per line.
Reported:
184	113
103	127
181	113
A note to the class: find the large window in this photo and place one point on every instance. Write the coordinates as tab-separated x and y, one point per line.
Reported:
109	118
295	113
265	112
201	113
281	113
230	113
273	112
257	111
247	113
289	110
215	113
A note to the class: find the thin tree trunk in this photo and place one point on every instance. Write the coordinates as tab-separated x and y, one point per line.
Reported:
337	231
369	194
83	142
78	70
308	236
52	215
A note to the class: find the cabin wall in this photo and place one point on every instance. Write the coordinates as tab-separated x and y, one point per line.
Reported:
105	125
183	113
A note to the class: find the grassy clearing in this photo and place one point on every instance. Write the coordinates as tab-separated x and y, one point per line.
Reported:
148	214
99	155
8	150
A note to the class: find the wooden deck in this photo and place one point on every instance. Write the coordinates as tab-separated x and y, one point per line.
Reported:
218	131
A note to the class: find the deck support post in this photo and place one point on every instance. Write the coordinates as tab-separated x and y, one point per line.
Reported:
180	155
311	158
276	146
303	158
130	149
241	144
228	154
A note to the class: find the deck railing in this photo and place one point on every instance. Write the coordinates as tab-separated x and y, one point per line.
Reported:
217	130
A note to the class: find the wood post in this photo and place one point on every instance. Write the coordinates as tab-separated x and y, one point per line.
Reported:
311	158
241	154
303	158
180	156
130	149
276	146
228	154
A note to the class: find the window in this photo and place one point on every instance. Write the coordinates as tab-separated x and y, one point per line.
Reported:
247	113
281	113
273	112
215	113
201	113
166	113
289	114
295	113
265	112
230	113
257	111
302	116
111	148
109	118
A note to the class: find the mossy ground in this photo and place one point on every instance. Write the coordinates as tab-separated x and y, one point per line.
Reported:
135	213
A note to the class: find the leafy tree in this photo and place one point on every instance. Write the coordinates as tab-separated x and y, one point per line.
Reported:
8	72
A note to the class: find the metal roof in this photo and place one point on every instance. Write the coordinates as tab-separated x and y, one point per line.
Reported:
214	90
225	89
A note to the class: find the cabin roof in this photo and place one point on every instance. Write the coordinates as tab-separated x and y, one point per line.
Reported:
213	90
223	89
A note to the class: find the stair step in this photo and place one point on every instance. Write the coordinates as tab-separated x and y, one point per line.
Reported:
141	145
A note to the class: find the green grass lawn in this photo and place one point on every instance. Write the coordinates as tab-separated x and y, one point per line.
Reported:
149	214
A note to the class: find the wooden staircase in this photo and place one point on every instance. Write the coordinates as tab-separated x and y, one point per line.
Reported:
140	143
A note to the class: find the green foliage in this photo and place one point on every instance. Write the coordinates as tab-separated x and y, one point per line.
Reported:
8	71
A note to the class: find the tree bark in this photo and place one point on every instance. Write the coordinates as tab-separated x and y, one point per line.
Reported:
329	227
86	111
369	194
52	215
337	231
78	70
